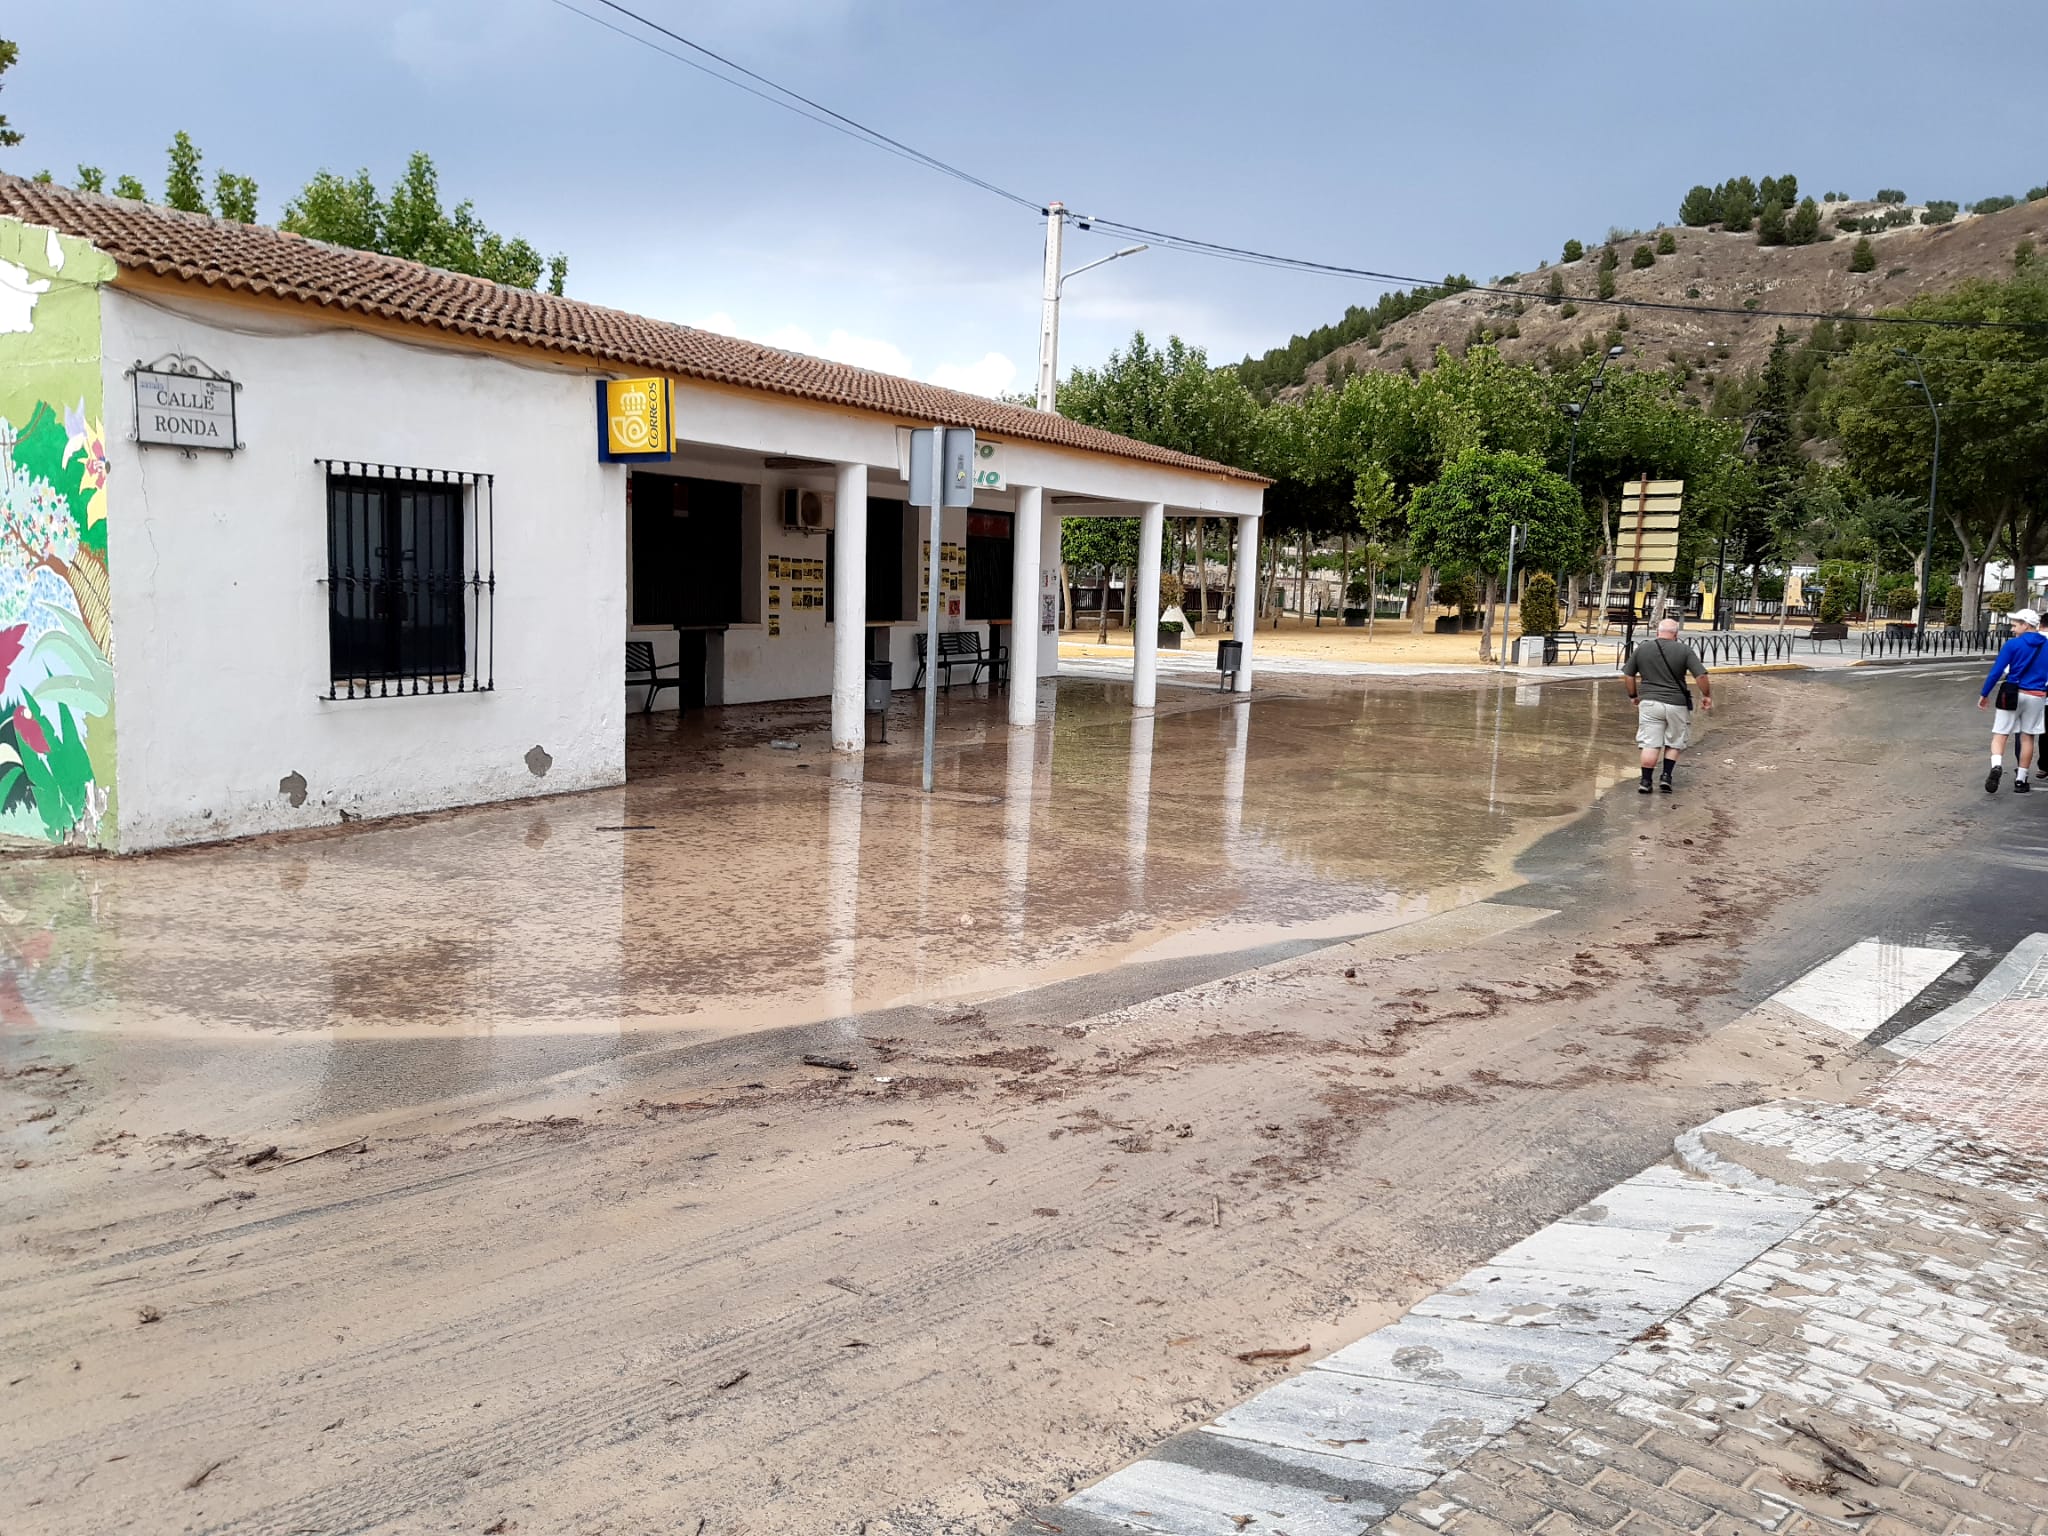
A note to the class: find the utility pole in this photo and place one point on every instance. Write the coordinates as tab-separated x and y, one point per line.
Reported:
1919	382
1049	316
1055	280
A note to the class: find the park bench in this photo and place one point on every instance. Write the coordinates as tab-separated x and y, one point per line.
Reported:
957	648
643	671
1820	634
1560	641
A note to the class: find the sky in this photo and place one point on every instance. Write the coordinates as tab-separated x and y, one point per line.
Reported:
1413	139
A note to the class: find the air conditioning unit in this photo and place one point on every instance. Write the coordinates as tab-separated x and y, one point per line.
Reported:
806	511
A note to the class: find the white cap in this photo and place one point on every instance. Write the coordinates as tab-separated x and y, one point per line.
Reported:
2028	616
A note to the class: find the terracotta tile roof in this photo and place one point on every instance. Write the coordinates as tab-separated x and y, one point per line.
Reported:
250	259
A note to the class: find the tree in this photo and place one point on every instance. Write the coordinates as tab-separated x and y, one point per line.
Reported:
1462	519
234	197
341	212
9	52
1738	206
182	188
1573	250
1667	243
1606	284
1863	257
1989	381
1890	195
1805	227
1698	208
1643	257
1938	212
1767	191
91	178
1788	189
1770	224
1556	289
412	223
1539	605
130	188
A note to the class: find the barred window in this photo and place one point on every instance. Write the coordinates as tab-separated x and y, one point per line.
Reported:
410	581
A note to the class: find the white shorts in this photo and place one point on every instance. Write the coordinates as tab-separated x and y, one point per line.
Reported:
1659	726
2024	721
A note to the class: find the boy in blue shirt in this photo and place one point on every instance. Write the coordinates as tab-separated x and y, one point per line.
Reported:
2022	664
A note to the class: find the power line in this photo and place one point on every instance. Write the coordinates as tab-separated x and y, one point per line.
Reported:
815	111
784	97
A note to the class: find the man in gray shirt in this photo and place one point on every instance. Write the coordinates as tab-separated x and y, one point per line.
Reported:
1655	677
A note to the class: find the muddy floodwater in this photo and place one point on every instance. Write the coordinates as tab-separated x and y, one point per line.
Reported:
734	885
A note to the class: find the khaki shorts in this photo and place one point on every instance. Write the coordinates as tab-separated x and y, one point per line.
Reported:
1663	725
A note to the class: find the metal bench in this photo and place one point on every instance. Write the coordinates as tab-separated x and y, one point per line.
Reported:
957	648
642	671
1570	640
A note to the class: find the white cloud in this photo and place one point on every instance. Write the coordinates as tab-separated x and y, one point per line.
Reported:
991	376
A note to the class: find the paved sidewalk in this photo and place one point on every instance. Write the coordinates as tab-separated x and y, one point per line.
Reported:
1815	1318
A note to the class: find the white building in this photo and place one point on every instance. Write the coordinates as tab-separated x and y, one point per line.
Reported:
376	564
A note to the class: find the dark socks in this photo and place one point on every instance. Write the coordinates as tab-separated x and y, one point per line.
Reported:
1668	766
1647	772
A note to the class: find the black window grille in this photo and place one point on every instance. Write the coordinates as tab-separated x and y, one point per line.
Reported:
410	581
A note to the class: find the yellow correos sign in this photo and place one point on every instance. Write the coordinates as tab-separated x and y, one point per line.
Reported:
637	418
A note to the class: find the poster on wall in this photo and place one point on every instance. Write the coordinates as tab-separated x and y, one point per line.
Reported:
774	625
1048	613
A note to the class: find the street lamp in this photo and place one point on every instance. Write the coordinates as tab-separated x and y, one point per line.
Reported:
1723	618
1577	412
1055	280
1919	382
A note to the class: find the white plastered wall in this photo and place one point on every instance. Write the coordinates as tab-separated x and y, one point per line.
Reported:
217	563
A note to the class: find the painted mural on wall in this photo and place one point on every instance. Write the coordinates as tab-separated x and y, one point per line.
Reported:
56	645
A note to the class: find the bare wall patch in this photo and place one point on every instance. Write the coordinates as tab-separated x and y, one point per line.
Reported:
538	763
293	787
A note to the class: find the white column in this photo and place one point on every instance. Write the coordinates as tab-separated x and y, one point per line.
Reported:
843	805
1138	807
1023	767
1234	757
1145	609
1024	587
1244	612
850	609
1049	572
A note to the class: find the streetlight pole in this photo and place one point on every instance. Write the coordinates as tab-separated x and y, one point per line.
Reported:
1049	313
1919	382
1723	619
1577	412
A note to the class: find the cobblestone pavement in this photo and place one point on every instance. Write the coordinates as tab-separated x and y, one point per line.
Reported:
1823	1318
1883	1370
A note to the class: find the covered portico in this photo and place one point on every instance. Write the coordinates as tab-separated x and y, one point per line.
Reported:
774	451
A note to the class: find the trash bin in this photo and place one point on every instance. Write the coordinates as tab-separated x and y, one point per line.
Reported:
881	676
1229	658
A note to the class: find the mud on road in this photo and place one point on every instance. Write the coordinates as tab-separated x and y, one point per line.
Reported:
996	1259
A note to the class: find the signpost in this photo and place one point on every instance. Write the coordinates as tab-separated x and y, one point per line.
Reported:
1646	534
942	474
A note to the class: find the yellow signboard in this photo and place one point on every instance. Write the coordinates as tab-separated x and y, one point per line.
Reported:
635	419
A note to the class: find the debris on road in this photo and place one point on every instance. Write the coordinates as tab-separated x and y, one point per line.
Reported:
733	1380
204	1473
360	1144
1254	1356
829	1063
149	1314
256	1158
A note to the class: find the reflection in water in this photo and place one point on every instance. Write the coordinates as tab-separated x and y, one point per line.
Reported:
1138	805
775	887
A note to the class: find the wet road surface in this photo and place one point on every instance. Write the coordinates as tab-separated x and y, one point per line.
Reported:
733	887
1031	1235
